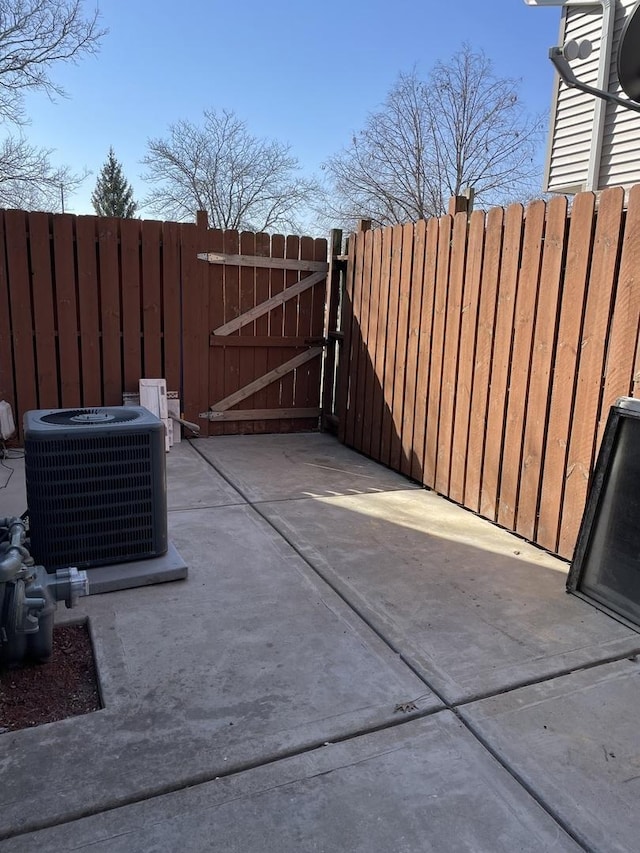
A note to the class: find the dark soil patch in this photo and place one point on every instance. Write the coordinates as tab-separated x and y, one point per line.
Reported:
66	686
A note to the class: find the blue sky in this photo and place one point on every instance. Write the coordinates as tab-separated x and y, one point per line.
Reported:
305	73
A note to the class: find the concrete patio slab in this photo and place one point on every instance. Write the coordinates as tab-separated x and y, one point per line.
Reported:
259	704
475	609
285	467
576	742
424	786
193	484
253	657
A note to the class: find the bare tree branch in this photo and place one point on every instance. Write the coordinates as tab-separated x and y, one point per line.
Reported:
35	35
28	180
463	126
240	180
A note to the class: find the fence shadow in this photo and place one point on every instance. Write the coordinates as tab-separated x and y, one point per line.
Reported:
481	355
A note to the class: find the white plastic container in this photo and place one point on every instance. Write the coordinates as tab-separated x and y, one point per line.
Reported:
7	425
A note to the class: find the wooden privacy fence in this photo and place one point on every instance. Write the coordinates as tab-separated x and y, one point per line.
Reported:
481	356
90	305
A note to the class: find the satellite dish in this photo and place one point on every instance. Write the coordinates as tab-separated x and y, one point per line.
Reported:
628	64
629	56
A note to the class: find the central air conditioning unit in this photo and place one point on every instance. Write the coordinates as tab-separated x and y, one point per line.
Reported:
96	486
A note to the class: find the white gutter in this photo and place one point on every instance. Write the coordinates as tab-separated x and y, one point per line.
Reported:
604	71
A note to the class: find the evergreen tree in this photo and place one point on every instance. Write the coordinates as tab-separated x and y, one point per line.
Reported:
113	195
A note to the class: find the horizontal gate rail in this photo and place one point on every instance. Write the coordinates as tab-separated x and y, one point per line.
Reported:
265	263
262	414
263	341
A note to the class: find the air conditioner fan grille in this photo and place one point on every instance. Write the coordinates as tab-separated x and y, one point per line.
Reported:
90	417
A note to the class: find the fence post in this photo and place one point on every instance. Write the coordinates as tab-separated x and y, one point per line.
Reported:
332	333
462	203
346	319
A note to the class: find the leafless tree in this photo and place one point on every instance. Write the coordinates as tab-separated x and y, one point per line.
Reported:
36	35
28	180
462	126
240	180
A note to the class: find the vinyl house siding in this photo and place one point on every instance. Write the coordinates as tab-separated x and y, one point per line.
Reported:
572	117
620	157
574	141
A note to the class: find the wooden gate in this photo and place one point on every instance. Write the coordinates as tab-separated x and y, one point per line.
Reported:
266	309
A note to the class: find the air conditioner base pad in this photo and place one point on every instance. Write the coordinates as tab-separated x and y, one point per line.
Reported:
169	567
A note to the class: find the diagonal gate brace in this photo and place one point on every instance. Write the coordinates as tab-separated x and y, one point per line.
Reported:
257	385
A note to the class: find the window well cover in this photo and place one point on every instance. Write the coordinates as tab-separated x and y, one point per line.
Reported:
606	564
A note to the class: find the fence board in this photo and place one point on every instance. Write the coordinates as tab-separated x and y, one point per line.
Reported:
360	380
203	237
388	424
247	370
345	357
620	365
276	323
374	307
544	342
353	334
565	368
171	307
437	350
302	375
43	310
485	340
500	361
20	308
261	326
291	310
521	351
151	299
466	371
400	370
453	319
88	311
413	334
331	332
190	274
110	316
215	291
131	321
319	299
231	246
427	285
7	385
602	278
66	310
378	403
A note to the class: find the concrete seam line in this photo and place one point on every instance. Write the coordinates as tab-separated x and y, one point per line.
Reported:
205	778
632	654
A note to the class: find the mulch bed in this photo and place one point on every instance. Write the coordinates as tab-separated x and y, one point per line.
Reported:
66	686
